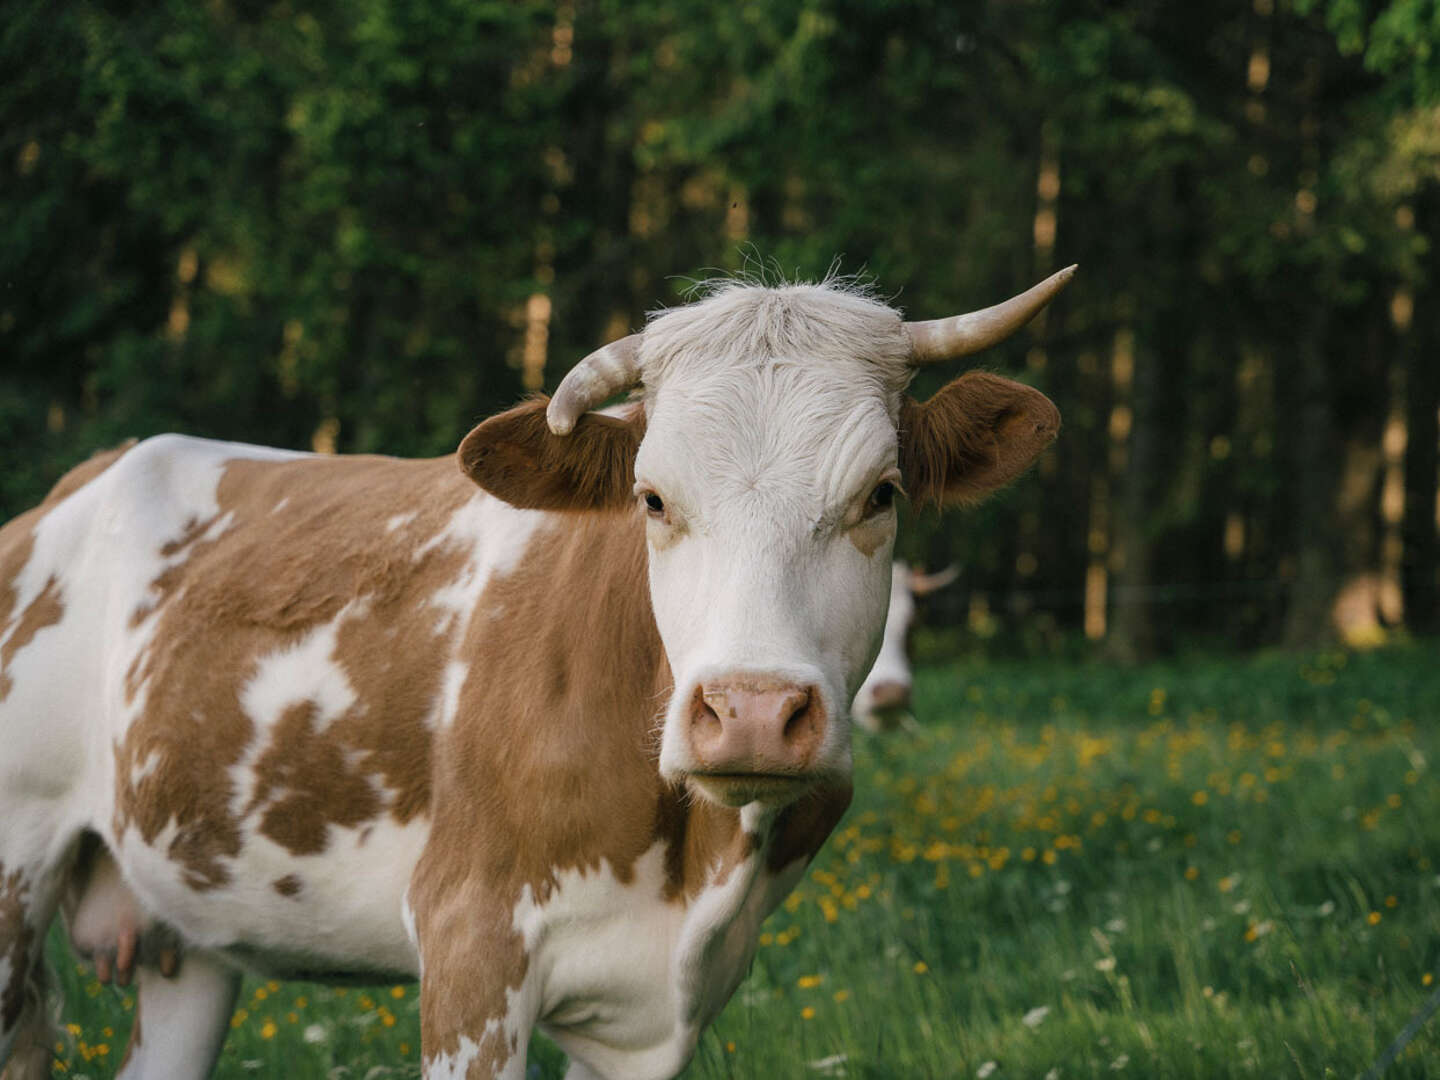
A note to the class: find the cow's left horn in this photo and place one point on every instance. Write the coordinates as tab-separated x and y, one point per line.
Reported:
961	335
604	373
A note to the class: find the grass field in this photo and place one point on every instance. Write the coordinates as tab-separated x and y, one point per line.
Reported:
1227	867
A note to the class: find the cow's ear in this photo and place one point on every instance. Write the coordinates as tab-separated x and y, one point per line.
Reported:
516	457
973	437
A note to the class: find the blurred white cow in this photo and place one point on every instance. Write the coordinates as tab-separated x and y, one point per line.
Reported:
884	697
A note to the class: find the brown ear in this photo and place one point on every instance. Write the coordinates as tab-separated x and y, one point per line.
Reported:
515	457
973	437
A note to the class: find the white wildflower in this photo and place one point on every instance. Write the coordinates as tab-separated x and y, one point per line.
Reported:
834	1064
1105	963
1120	1063
315	1033
1035	1017
1116	926
1326	909
1053	1074
986	1069
1241	908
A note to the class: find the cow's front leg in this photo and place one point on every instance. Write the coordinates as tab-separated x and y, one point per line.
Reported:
478	996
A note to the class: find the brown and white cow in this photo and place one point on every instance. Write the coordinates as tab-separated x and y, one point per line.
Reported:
551	732
883	700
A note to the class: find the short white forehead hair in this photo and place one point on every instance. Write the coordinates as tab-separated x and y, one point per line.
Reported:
836	324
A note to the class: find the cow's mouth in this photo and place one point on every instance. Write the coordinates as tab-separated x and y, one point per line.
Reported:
741	788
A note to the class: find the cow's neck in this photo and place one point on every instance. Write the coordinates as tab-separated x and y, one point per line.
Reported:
570	710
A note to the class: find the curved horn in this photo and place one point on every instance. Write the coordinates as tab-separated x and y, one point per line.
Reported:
603	374
923	584
961	335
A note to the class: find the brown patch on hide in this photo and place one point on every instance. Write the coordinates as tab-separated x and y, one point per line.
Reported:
259	587
976	435
556	753
17	938
803	827
287	886
871	534
516	457
305	784
45	610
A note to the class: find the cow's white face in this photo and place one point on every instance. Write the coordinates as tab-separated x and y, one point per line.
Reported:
766	464
769	494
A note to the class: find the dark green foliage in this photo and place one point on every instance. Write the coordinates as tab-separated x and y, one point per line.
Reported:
264	221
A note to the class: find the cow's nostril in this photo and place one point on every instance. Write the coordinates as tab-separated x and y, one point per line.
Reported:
703	714
799	720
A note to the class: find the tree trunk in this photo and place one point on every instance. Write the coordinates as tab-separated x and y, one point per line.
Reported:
1131	634
1418	567
1315	456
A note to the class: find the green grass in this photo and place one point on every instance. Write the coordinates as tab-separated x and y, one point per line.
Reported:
1217	868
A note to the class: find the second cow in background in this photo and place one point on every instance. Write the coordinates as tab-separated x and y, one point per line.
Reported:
884	698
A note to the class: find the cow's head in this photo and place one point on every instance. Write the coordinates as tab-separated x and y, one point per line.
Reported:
772	439
883	700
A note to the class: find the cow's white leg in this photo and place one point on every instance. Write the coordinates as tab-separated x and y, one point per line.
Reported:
180	1022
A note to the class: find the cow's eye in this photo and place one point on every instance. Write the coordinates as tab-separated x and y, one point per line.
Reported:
654	505
882	498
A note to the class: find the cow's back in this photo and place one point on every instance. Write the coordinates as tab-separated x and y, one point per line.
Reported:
253	648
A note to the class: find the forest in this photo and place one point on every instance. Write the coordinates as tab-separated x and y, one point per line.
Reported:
363	226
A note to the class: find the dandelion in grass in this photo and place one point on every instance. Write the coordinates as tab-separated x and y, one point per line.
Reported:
1228	882
921	967
1373	918
268	1029
1426	979
809	982
807	1013
1391	901
1256	931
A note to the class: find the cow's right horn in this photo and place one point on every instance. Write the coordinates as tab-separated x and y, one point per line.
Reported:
961	335
606	372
